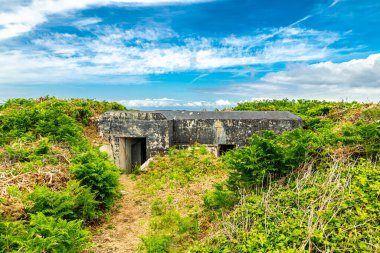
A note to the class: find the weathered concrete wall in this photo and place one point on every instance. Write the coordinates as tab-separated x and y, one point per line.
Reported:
163	129
225	131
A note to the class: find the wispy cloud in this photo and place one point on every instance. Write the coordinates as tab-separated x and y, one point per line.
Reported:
146	50
83	23
335	2
199	77
17	67
19	18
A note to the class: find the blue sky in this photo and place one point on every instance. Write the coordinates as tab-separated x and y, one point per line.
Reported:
190	54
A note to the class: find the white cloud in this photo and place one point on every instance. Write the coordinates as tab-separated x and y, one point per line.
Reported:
153	32
83	23
354	73
222	102
174	103
34	68
357	79
19	17
113	51
161	102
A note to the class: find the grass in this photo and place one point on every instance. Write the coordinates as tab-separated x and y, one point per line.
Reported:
174	185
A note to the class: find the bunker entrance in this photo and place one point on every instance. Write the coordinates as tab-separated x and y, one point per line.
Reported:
224	148
132	153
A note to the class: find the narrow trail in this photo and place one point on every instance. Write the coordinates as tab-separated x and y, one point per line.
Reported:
129	221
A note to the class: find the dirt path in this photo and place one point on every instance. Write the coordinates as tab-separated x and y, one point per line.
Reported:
121	233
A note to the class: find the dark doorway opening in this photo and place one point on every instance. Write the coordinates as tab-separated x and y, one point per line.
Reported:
224	148
138	151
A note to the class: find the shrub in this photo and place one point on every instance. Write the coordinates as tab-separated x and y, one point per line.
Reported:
49	117
83	110
364	135
94	170
276	155
43	135
44	234
73	202
269	154
179	168
26	152
12	235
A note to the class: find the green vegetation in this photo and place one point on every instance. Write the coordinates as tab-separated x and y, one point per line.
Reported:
334	210
168	229
314	189
43	234
174	185
54	180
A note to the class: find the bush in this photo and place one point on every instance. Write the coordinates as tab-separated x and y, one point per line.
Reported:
365	136
94	170
44	234
12	236
36	122
38	136
49	117
276	155
73	202
269	154
179	168
27	152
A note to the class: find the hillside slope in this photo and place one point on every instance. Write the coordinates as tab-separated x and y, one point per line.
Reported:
53	180
314	189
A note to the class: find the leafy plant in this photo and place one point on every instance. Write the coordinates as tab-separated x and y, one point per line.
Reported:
40	138
269	155
73	202
219	197
94	170
44	234
331	210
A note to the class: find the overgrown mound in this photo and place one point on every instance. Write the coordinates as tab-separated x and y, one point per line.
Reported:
314	189
52	178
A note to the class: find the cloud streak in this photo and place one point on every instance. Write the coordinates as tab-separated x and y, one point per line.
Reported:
83	23
19	18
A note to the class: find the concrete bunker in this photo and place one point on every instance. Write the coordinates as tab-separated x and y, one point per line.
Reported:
136	136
